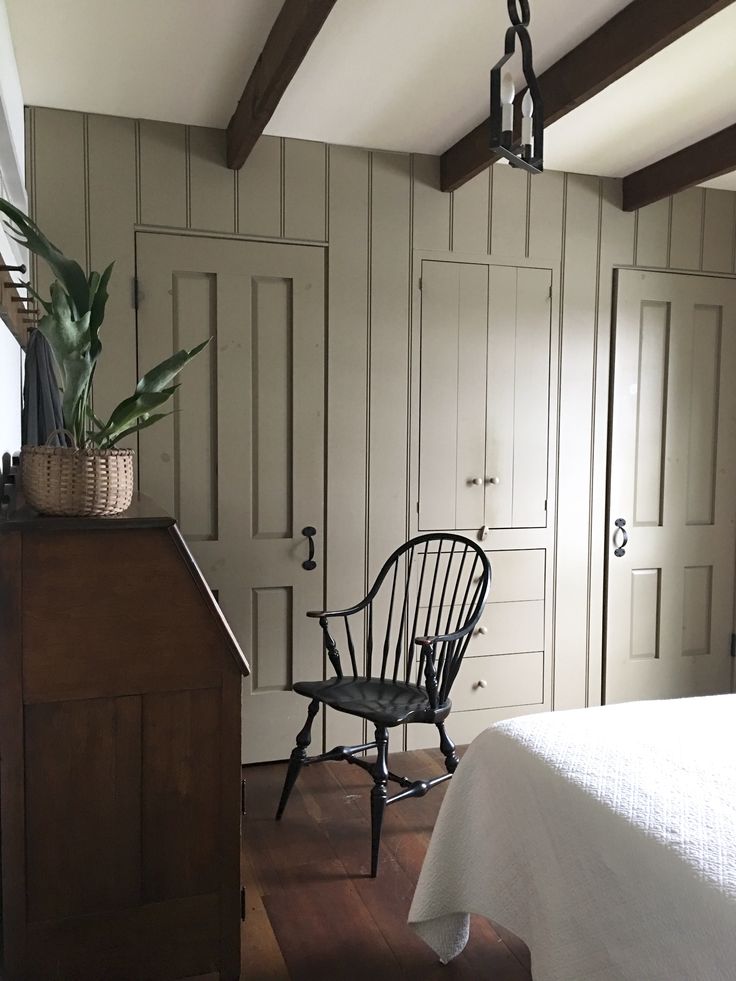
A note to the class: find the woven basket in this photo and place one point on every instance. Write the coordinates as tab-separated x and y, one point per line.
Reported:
66	480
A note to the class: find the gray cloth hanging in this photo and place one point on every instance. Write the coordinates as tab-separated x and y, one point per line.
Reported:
42	412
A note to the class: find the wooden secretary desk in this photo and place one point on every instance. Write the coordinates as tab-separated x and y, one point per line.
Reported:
120	785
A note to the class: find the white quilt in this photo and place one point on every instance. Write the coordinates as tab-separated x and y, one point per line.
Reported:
605	838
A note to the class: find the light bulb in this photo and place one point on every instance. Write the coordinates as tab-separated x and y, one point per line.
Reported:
527	110
507	102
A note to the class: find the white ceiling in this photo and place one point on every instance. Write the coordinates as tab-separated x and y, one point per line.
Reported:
681	95
408	75
413	75
184	61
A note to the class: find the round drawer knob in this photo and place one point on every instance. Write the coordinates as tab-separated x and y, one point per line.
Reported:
482	630
477	481
482	683
493	480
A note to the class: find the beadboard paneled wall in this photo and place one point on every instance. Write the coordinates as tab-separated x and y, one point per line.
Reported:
93	180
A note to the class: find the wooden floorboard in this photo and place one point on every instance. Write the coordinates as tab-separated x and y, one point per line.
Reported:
313	912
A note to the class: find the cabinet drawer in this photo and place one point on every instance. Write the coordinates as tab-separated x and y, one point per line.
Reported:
497	681
509	628
517	575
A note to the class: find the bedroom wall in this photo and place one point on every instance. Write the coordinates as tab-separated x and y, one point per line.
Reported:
92	180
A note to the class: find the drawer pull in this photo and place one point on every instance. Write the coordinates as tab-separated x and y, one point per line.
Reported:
482	630
493	480
477	481
481	684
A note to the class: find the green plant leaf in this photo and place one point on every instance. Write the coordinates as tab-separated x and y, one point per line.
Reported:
77	374
27	233
46	304
98	301
137	406
163	374
72	335
142	424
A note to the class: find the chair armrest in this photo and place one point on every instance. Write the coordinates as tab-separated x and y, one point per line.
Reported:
444	638
319	614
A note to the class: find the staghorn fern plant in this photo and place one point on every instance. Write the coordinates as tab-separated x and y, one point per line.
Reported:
71	324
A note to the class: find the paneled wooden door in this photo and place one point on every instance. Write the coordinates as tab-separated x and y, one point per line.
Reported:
669	610
241	461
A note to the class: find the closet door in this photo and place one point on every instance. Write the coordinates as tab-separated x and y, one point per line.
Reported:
453	394
670	575
484	396
517	428
241	461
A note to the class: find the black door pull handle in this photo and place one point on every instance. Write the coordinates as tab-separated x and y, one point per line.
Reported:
309	532
623	538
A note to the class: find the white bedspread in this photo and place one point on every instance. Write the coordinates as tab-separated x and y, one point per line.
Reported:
605	838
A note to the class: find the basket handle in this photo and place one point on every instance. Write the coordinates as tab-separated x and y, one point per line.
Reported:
66	432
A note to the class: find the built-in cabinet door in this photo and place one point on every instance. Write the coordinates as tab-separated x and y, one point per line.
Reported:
484	396
452	424
517	420
240	463
672	504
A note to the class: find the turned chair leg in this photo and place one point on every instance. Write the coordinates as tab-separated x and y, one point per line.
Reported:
379	793
298	756
447	748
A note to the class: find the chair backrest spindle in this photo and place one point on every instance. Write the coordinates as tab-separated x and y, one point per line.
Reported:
435	582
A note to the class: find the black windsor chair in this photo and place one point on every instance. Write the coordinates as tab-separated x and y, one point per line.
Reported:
429	596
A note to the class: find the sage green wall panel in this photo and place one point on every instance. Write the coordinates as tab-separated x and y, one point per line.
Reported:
211	183
60	198
388	430
509	211
575	436
546	200
305	206
389	356
653	234
431	217
112	215
719	231
259	189
347	396
163	174
470	204
686	233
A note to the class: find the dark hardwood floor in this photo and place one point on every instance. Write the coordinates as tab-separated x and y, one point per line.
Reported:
312	910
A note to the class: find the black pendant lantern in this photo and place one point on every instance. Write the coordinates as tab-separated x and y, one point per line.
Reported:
525	146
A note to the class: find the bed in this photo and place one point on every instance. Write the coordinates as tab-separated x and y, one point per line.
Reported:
605	838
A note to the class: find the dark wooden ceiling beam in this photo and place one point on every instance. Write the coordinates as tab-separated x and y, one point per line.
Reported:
633	35
709	158
294	30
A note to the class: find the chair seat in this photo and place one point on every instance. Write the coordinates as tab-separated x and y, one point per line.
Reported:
386	703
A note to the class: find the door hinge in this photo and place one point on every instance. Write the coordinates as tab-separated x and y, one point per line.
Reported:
136	293
242	796
549	295
420	282
242	902
733	645
545	504
417	507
